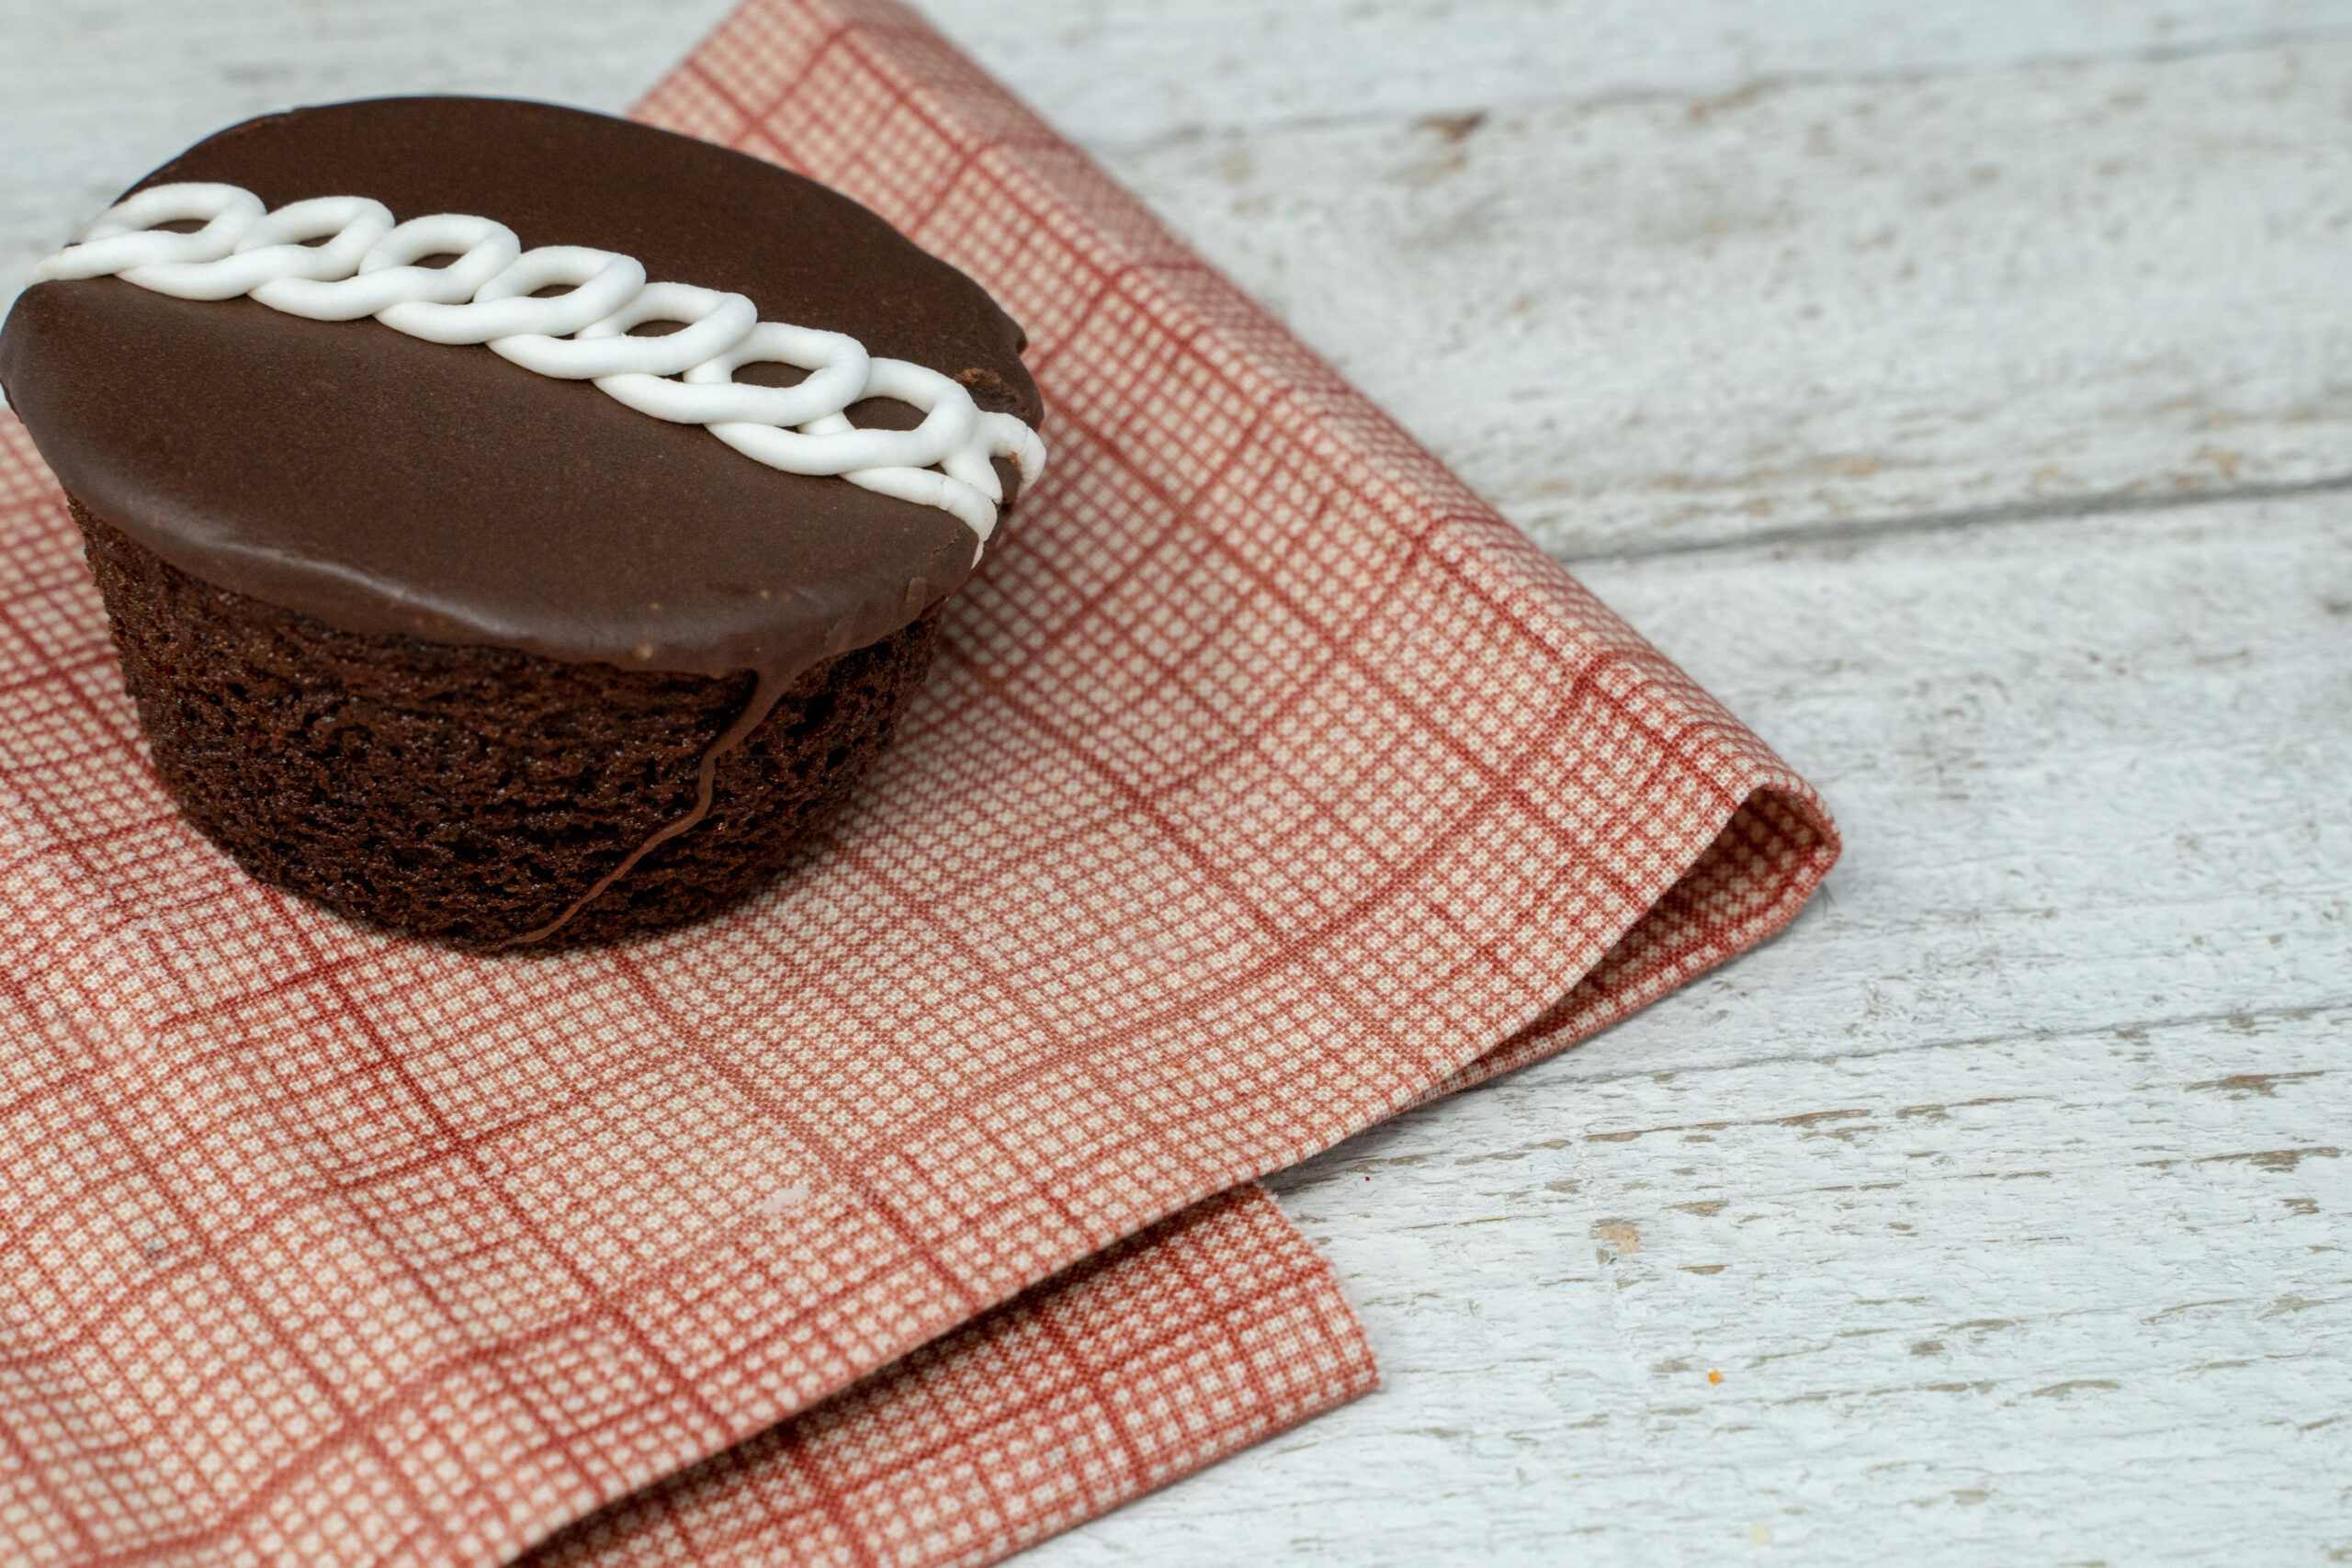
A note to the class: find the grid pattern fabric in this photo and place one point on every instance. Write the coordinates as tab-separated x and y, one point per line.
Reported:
1268	783
1198	1337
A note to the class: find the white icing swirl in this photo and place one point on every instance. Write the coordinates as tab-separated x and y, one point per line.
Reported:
337	258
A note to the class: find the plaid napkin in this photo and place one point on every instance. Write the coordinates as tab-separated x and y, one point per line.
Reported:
1268	783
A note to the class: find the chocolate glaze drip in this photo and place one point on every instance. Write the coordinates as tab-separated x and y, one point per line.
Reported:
757	708
382	484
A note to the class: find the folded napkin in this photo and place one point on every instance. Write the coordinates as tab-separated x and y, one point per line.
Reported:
1268	783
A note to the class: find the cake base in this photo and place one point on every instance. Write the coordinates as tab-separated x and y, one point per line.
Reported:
472	794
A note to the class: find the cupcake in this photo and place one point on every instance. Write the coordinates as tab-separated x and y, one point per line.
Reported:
517	525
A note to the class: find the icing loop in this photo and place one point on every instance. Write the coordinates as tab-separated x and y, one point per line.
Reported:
125	235
337	258
274	248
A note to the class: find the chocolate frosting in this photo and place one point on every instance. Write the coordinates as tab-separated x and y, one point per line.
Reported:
381	483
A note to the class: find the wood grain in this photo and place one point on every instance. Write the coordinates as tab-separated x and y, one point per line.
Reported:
1667	321
1119	72
2069	1297
1962	395
2082	768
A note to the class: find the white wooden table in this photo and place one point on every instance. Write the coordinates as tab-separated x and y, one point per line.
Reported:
1964	395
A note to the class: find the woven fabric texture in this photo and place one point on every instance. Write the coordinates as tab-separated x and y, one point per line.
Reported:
1267	783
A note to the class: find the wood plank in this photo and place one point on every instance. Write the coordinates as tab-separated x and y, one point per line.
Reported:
1115	72
2091	773
1654	324
2076	1299
2009	1191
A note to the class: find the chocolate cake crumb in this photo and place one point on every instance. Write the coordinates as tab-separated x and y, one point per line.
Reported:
471	793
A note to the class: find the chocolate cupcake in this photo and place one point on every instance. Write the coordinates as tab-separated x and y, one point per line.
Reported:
465	580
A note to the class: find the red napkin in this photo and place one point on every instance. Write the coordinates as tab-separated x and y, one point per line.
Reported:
1268	783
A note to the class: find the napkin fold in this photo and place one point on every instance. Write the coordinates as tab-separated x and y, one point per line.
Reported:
1268	783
